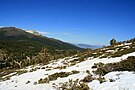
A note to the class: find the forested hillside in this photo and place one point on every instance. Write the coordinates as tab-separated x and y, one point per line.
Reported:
17	45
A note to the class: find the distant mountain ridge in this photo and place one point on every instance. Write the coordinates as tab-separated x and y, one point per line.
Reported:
13	33
88	46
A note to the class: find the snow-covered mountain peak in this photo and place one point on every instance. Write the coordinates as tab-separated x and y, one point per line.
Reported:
33	32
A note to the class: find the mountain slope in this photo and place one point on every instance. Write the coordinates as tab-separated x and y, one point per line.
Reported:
107	68
12	33
19	41
17	45
78	72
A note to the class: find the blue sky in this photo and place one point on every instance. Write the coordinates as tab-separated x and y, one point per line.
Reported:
76	21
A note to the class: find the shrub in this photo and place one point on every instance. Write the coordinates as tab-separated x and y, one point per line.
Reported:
33	69
112	42
125	51
43	68
87	71
19	72
75	72
111	80
97	65
124	65
88	78
101	79
27	82
100	71
41	81
73	85
56	75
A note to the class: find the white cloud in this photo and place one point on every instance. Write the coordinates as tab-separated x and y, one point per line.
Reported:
43	33
65	33
53	33
2	26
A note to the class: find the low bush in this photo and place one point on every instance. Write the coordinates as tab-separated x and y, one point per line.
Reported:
111	80
75	72
87	71
27	82
41	81
101	79
56	75
97	65
5	74
88	78
123	52
73	85
33	69
124	65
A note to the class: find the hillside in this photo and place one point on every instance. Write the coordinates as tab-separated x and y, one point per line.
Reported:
17	45
108	68
16	34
